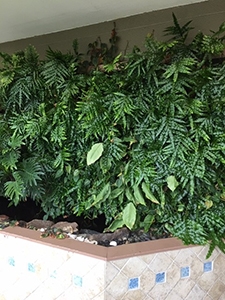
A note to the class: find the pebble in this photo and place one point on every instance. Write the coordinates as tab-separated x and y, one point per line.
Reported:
91	242
113	243
80	238
72	236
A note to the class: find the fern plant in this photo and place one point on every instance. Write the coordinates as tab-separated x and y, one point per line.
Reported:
141	142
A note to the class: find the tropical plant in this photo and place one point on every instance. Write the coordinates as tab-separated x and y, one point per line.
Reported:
141	142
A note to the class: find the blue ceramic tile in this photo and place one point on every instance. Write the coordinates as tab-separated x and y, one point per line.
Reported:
53	274
185	272
77	280
207	266
160	277
11	261
133	283
31	267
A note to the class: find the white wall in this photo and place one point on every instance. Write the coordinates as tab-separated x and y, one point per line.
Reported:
132	30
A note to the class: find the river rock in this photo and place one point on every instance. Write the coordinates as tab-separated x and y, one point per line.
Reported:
38	224
4	218
105	238
69	227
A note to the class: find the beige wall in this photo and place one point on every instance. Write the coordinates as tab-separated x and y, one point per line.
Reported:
132	30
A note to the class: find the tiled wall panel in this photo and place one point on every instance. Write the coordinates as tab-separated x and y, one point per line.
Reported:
31	271
172	275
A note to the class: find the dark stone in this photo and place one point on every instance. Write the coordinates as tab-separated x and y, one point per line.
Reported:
38	224
66	226
30	214
4	218
105	238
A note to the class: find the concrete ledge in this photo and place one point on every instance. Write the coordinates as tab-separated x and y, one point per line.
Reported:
100	252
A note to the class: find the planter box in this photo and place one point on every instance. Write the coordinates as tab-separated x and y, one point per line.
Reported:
34	268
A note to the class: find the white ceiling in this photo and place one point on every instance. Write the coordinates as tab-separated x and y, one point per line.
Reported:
26	18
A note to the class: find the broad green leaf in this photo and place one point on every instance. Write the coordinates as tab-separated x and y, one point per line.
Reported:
103	195
162	198
76	173
116	192
159	211
180	207
117	223
138	195
129	195
59	173
95	153
208	203
172	183
148	220
148	193
60	236
68	169
129	215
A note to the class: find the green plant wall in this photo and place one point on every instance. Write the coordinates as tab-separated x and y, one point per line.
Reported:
139	139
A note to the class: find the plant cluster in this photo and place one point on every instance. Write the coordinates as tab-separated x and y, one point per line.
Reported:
141	142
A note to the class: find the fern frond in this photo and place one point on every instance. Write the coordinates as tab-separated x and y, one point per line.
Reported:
30	171
178	32
14	189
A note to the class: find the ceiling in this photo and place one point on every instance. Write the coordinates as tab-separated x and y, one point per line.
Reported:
26	18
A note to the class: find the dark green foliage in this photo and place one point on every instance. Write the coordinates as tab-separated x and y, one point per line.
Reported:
159	116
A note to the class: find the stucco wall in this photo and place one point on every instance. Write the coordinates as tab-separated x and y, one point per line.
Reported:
132	30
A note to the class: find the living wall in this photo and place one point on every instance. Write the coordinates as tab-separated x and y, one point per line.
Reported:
139	138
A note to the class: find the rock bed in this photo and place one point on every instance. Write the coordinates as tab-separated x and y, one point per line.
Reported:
71	230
